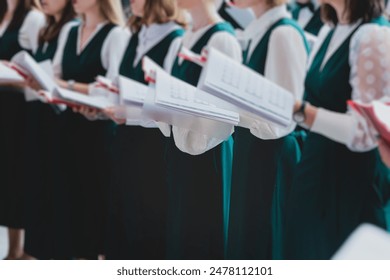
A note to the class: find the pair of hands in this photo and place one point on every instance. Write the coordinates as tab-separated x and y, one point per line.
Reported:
92	113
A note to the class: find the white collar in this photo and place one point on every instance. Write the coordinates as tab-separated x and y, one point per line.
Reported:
192	37
265	21
155	31
150	36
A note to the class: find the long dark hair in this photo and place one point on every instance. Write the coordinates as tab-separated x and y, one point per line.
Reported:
355	10
53	28
23	7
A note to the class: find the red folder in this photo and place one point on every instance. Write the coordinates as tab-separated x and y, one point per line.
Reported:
377	113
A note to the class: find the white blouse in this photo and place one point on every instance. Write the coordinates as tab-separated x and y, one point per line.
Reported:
29	31
112	51
370	80
186	140
285	65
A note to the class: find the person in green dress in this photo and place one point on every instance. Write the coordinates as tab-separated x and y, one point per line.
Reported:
43	222
265	155
20	23
333	188
138	189
91	48
197	179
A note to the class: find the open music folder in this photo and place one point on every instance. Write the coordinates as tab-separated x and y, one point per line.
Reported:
54	94
132	92
377	113
180	96
28	64
246	89
9	75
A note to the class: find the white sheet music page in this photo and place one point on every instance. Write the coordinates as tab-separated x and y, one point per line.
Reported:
367	242
25	61
235	83
132	91
98	102
7	75
182	96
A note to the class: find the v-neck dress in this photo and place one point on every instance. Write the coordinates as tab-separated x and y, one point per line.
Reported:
333	188
138	190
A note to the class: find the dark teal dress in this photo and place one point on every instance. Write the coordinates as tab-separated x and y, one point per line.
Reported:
333	188
86	151
262	176
47	224
195	197
315	23
138	191
12	127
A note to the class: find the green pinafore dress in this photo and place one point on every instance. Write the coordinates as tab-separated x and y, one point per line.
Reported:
197	184
333	188
262	177
138	192
12	127
86	151
46	221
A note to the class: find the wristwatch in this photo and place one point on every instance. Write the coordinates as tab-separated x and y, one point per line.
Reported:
71	84
300	116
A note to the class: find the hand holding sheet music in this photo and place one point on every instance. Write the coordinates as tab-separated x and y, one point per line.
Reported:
27	63
181	96
177	103
244	88
97	102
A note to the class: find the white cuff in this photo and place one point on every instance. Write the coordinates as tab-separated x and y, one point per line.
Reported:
193	143
335	126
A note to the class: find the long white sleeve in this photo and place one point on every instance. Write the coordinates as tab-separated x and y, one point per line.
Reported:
62	39
113	50
285	66
194	143
29	31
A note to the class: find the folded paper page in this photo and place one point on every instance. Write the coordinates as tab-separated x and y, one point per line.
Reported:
180	104
97	102
9	75
244	88
26	62
132	91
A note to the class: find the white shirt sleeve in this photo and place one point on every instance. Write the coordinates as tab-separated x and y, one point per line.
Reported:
172	54
29	32
113	50
285	66
189	141
62	39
